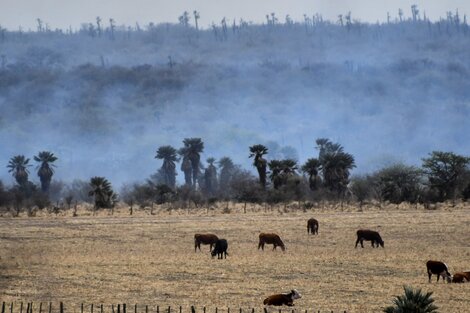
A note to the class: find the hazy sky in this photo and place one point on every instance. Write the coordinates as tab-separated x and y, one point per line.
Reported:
65	13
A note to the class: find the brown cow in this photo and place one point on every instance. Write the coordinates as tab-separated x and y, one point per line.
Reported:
369	235
438	268
272	239
205	239
312	226
461	277
283	298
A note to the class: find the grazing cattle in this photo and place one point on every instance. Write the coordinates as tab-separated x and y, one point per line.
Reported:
438	268
461	277
369	235
283	298
205	239
272	239
312	226
220	249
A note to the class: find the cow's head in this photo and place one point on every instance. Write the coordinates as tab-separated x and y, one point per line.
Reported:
381	242
295	294
448	278
213	253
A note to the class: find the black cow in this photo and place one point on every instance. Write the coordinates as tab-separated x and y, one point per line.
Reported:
369	235
312	226
220	249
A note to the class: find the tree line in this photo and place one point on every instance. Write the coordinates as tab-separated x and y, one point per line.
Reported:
327	176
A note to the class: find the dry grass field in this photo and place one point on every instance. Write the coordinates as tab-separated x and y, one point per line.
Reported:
150	259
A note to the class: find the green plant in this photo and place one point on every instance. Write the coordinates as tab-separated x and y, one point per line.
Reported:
413	301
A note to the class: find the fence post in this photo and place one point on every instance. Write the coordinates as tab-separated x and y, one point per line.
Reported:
158	309
31	308
253	310
61	307
101	308
11	308
3	307
146	309
81	308
193	310
119	308
135	308
91	308
123	308
169	309
112	308
40	307
50	307
180	309
27	308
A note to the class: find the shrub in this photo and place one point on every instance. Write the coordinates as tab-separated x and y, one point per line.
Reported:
413	301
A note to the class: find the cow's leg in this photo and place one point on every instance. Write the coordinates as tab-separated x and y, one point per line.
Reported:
210	247
357	241
261	245
438	277
429	275
373	243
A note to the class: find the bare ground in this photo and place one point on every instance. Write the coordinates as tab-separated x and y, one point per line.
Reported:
150	259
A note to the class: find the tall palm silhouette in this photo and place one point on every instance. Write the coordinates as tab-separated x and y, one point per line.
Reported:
210	177
103	193
46	168
257	151
312	167
193	147
18	167
168	170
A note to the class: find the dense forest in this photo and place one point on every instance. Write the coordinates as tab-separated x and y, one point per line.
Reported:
103	98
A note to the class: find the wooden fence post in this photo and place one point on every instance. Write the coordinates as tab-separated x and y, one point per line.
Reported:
40	307
11	308
101	308
119	308
123	308
146	309
193	310
112	308
61	307
169	309
135	308
27	308
3	307
21	307
180	309
81	308
158	309
91	308
50	307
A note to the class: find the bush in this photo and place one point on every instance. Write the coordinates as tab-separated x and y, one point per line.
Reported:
413	301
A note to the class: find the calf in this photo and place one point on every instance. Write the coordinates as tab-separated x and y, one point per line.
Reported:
438	268
312	226
369	235
283	298
272	239
461	277
220	249
205	239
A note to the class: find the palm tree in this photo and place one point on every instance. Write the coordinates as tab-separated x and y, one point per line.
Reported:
312	167
168	169
192	150
18	166
281	170
257	151
46	169
335	165
227	169
413	301
103	193
186	166
210	177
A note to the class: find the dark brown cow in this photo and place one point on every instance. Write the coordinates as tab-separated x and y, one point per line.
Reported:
272	239
438	268
461	277
205	239
312	226
369	235
283	298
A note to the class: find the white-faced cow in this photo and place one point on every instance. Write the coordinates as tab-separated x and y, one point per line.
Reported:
220	249
438	268
461	277
283	298
272	239
312	226
369	235
205	239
